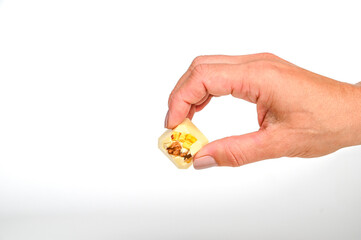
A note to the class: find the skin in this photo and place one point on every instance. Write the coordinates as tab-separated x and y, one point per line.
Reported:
300	113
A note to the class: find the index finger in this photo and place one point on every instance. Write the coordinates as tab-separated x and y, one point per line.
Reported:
211	79
227	59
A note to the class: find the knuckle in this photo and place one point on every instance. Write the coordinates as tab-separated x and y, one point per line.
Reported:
235	154
197	61
267	55
199	70
264	66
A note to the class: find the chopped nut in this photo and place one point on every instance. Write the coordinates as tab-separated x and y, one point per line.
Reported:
183	154
174	148
188	156
175	145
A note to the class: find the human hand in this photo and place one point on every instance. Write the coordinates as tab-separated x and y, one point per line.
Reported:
300	113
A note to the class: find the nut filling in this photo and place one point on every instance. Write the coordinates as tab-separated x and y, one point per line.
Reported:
180	145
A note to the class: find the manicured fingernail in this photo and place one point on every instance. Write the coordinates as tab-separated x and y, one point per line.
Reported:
204	162
166	120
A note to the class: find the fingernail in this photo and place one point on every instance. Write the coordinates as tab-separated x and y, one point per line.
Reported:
204	162
166	120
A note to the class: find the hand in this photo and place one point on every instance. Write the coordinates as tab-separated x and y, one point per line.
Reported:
300	113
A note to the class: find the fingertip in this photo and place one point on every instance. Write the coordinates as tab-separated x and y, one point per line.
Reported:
204	162
176	115
169	122
166	120
218	151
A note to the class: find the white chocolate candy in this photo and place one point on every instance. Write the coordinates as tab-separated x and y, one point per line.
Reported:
186	127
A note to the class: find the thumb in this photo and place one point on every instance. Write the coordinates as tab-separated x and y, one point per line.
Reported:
237	150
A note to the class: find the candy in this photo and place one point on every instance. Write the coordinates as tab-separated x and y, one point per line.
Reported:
182	143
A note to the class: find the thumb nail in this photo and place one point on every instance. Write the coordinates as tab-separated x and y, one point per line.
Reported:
204	162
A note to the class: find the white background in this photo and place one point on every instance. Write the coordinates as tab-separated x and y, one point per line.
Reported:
83	95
